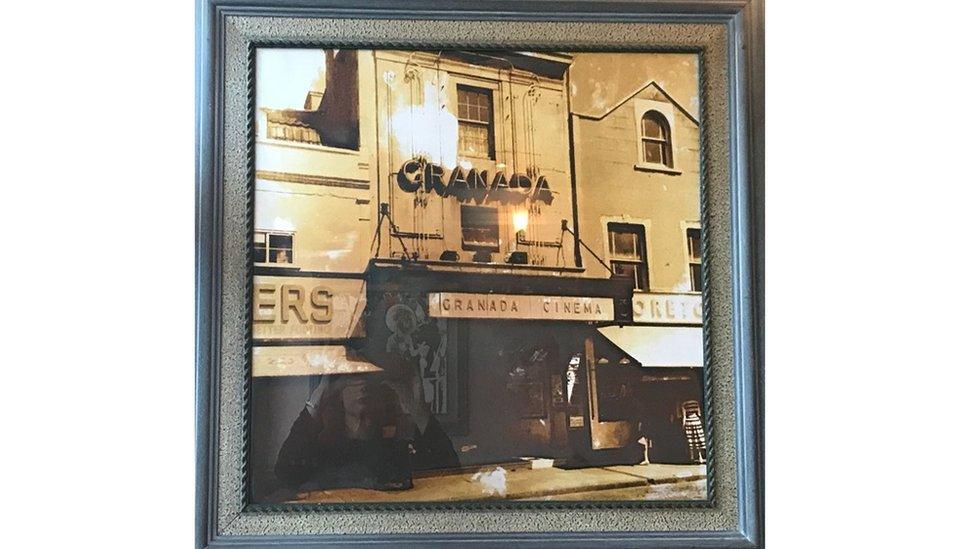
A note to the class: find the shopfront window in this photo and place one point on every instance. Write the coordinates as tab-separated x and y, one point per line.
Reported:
476	132
479	228
694	259
273	247
628	252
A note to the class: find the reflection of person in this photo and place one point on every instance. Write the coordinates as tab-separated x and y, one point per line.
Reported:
403	323
358	431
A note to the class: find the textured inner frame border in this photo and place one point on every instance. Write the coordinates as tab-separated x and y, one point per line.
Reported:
711	41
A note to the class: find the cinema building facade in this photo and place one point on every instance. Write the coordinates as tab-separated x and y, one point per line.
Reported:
437	211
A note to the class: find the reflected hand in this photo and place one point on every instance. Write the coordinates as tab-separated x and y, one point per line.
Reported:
312	404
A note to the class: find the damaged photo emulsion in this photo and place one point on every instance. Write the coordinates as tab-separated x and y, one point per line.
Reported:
476	275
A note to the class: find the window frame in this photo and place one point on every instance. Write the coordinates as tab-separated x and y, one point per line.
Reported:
690	261
669	129
642	263
268	233
479	247
489	125
664	142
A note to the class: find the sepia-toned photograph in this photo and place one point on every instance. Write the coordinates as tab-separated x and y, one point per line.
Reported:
477	275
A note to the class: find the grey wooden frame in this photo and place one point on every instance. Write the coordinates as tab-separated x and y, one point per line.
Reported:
740	211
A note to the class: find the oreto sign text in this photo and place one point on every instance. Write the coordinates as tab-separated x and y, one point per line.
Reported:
651	308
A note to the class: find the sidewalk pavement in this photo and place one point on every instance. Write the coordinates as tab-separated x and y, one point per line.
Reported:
553	483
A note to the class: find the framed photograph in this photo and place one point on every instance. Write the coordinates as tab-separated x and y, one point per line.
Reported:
479	273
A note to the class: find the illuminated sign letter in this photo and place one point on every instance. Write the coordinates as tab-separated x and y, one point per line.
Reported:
457	179
434	179
542	191
410	176
477	180
499	182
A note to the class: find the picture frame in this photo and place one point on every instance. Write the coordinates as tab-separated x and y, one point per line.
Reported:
728	38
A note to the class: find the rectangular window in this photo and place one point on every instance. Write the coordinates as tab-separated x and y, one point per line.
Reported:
273	247
694	259
628	252
476	126
479	228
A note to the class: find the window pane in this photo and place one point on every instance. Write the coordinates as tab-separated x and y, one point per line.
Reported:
653	152
473	140
626	269
479	228
624	244
651	127
633	271
279	255
258	254
260	238
474	105
694	244
696	277
280	241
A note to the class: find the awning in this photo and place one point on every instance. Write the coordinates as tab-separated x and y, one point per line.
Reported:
308	361
659	346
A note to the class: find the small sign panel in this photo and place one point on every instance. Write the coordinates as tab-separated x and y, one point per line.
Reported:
521	307
307	308
652	308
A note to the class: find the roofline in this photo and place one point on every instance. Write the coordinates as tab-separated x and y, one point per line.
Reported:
646	85
558	57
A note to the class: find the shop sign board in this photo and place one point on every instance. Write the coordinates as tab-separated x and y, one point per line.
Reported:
657	308
307	308
519	307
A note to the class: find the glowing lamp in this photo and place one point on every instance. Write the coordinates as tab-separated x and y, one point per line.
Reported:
520	220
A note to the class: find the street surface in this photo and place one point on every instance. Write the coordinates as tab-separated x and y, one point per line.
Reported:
624	482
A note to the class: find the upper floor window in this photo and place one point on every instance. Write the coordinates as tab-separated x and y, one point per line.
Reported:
476	126
273	247
656	139
628	252
479	228
695	259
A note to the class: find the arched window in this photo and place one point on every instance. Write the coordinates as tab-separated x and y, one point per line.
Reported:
656	139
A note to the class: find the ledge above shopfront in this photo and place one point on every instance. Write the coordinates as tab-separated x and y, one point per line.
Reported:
506	293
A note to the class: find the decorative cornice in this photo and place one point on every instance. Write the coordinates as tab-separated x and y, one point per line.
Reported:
309	179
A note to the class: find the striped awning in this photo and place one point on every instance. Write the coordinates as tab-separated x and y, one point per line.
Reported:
659	346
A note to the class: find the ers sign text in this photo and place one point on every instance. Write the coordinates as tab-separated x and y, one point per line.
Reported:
535	307
306	308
